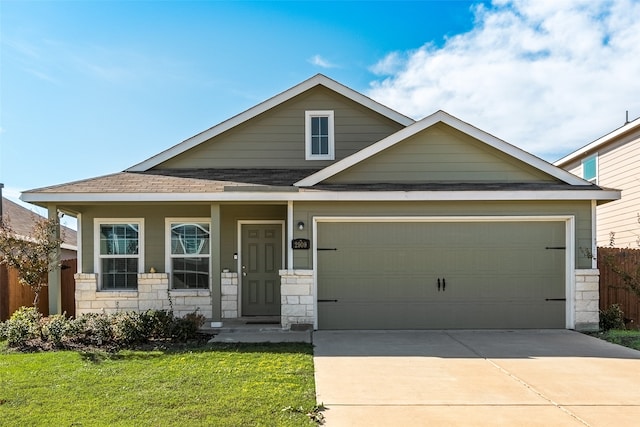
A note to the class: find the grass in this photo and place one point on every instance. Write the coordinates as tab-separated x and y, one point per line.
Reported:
627	338
228	385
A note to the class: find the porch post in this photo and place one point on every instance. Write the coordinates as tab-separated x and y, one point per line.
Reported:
289	235
216	294
53	288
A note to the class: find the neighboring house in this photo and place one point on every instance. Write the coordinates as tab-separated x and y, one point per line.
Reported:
324	207
12	294
613	161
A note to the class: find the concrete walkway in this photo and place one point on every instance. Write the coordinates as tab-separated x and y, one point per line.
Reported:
475	378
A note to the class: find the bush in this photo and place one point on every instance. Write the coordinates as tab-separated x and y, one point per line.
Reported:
55	328
121	329
186	328
23	325
612	318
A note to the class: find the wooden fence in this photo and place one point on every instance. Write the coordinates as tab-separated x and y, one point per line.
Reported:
13	295
613	290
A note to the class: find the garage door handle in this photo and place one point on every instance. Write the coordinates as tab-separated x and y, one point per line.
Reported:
444	284
555	299
438	284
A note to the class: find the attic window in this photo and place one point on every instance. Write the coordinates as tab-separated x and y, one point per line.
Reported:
319	140
590	169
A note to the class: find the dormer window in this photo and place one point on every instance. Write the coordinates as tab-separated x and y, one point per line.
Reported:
319	138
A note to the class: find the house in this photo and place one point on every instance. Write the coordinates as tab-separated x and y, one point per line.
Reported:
13	295
612	161
323	207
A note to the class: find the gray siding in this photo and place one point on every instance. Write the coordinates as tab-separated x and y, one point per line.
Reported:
440	154
276	139
154	228
580	209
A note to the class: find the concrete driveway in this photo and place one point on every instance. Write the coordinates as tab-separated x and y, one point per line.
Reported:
475	378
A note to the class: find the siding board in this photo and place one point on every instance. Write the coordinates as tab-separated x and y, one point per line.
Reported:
282	129
438	154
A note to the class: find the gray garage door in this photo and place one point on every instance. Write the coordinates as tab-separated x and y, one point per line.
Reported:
422	275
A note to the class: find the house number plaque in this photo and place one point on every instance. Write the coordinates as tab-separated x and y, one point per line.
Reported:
301	244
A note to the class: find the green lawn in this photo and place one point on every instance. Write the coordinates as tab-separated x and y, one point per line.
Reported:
231	385
627	338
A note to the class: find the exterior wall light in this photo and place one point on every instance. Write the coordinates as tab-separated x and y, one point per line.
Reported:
300	225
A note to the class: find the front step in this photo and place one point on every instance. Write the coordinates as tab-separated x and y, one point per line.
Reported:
264	329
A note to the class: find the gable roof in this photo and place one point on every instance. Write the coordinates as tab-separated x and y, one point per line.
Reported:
23	220
600	142
441	116
318	79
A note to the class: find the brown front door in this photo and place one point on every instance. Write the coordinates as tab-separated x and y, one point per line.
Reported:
261	260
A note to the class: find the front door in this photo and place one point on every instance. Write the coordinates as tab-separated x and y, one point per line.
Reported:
261	260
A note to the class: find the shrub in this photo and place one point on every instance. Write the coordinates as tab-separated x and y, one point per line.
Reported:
23	325
612	318
55	328
186	328
129	327
27	327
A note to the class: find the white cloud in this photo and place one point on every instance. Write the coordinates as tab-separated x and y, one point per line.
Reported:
548	76
321	62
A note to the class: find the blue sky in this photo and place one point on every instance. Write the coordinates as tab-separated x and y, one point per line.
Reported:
89	88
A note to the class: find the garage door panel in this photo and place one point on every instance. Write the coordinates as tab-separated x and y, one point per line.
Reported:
497	275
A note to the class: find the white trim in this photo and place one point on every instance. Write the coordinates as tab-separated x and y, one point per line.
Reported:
569	221
316	80
594	234
80	250
308	146
249	196
289	235
167	247
96	247
240	223
598	143
440	116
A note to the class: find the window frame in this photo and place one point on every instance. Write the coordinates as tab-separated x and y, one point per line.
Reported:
595	159
98	256
329	114
169	222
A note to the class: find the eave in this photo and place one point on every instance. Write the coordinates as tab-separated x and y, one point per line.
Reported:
598	143
309	196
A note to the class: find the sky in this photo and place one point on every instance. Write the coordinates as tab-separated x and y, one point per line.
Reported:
89	88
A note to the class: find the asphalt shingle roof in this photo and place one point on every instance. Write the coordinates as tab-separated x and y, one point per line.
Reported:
22	221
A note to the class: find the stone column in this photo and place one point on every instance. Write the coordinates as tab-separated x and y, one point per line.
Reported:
587	300
297	299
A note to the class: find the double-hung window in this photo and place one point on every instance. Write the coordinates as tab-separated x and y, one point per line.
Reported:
189	251
319	138
590	169
118	252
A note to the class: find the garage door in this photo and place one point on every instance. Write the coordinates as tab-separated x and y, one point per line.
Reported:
424	275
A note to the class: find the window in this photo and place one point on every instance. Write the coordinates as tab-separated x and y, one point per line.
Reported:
590	169
119	254
319	135
188	253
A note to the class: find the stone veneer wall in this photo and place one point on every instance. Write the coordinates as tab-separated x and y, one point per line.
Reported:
229	295
587	300
297	299
152	293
